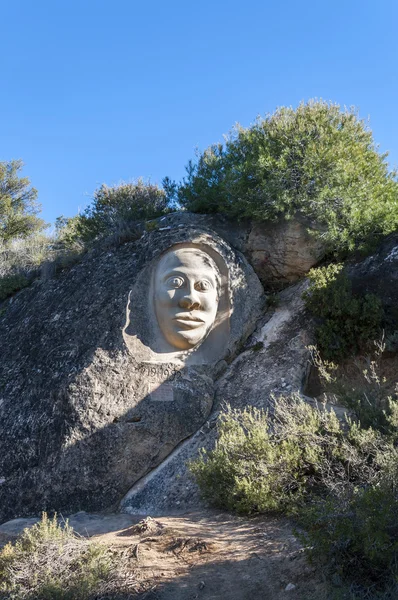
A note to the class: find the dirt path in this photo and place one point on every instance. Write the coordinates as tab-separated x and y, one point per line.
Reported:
205	555
214	556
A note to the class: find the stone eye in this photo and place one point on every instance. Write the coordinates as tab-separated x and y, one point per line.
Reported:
175	282
203	286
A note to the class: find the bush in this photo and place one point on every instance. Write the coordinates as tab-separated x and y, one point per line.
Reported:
115	208
356	536
10	284
318	160
339	480
50	562
263	464
20	261
347	323
23	260
370	397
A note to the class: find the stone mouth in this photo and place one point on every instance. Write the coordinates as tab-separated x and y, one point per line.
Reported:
187	321
188	318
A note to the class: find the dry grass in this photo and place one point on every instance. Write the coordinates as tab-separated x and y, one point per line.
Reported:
24	260
51	562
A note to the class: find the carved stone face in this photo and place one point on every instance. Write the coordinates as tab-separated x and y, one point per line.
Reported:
186	292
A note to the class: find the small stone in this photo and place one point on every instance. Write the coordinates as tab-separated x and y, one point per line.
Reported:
201	585
290	587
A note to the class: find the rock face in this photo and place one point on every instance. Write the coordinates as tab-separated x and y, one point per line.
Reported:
90	400
274	362
283	252
378	274
113	374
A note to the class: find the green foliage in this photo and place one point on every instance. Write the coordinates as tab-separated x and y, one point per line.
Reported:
18	206
318	160
10	284
371	399
67	230
23	260
356	535
115	208
339	480
262	464
49	562
346	322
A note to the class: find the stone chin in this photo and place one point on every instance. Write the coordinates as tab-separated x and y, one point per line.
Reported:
186	339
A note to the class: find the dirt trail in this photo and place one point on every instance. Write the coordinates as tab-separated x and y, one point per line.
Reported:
215	556
204	555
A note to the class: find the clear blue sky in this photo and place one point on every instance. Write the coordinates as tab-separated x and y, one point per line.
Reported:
98	91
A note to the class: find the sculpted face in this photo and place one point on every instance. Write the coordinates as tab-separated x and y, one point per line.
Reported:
186	295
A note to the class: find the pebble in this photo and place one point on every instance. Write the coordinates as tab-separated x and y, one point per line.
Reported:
290	587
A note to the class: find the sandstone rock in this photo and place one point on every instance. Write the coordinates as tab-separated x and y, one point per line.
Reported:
282	252
82	416
275	362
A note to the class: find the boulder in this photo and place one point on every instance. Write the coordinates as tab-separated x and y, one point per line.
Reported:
274	362
378	274
283	252
101	380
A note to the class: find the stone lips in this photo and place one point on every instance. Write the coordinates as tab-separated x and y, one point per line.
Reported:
82	417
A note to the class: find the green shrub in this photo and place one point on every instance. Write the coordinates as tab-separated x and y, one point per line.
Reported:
10	284
338	479
265	464
317	160
115	208
67	231
347	323
24	259
356	537
50	562
370	397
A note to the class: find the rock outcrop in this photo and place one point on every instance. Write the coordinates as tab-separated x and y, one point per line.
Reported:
282	253
378	274
96	406
81	417
274	362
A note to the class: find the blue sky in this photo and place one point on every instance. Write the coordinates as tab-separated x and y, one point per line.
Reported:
97	91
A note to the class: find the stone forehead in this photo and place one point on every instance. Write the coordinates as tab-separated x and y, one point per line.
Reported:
173	256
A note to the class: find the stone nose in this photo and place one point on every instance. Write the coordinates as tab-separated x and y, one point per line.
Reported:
190	300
